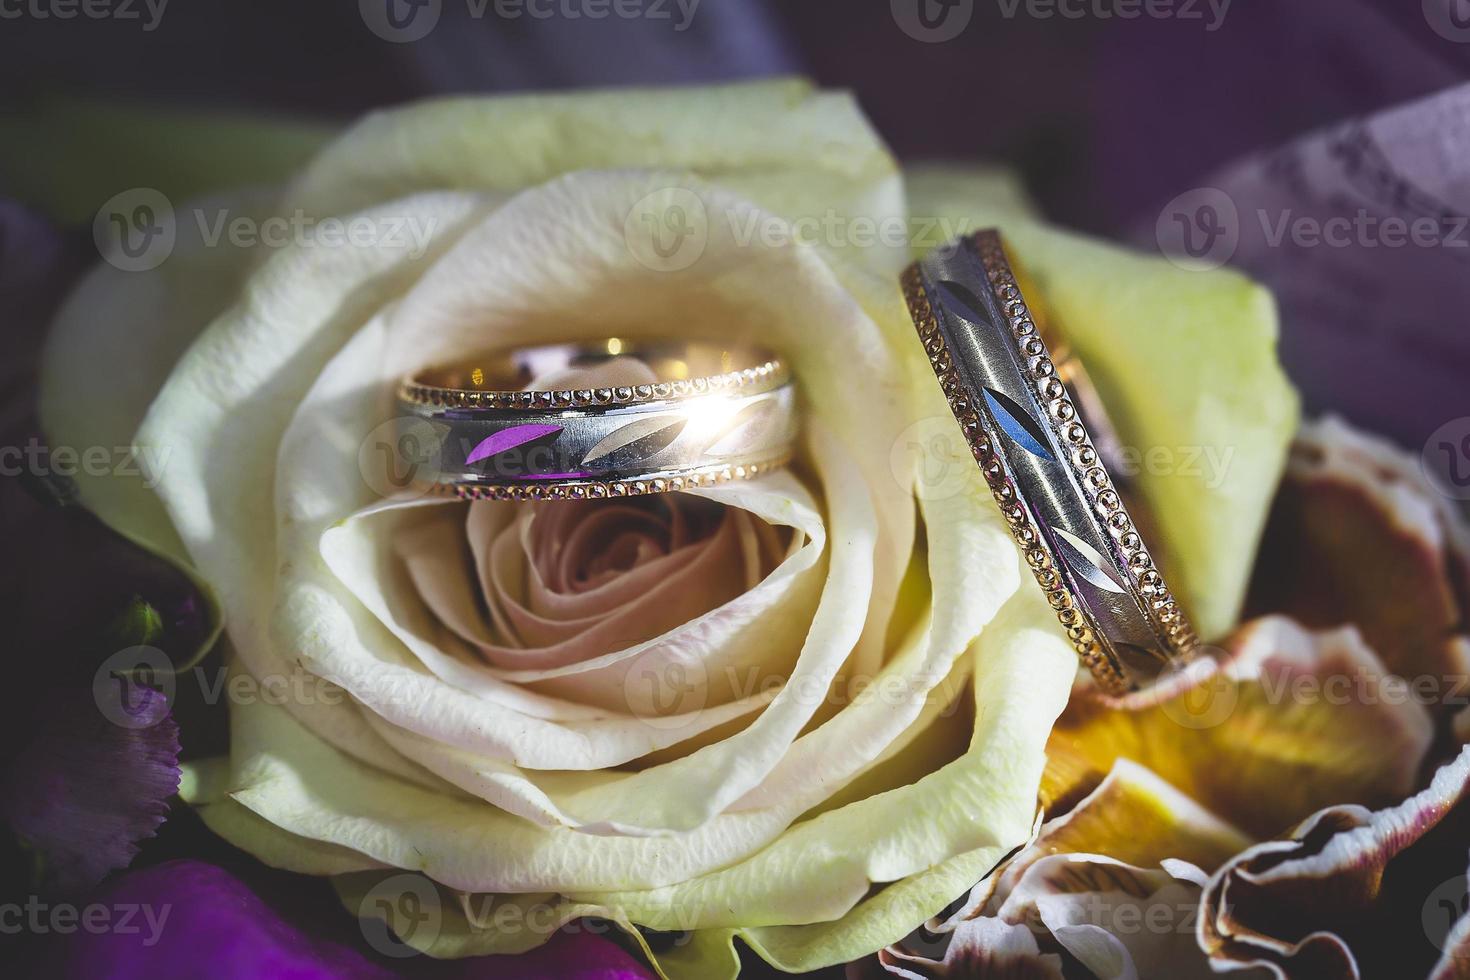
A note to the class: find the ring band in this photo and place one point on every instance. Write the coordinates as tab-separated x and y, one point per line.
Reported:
672	416
1021	411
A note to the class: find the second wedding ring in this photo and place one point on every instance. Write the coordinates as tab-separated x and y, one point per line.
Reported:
1036	429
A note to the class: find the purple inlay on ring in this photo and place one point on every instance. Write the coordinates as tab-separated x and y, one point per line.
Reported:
509	439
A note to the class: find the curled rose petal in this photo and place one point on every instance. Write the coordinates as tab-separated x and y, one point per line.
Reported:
1359	536
1287	722
1319	900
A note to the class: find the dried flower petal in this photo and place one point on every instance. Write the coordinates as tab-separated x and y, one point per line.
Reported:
980	948
1358	536
1294	906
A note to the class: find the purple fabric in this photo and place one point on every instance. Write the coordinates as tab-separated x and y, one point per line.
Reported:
196	919
1362	232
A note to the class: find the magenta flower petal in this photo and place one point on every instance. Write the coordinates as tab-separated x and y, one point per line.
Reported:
85	789
189	913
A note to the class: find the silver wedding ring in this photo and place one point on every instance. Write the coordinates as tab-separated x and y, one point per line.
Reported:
672	416
1021	405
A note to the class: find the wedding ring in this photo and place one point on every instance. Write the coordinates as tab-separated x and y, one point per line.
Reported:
1021	405
613	418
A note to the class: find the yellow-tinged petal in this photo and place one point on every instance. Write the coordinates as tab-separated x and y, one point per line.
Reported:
1291	722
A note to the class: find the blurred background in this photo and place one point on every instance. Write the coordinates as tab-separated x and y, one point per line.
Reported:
1111	111
1100	105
